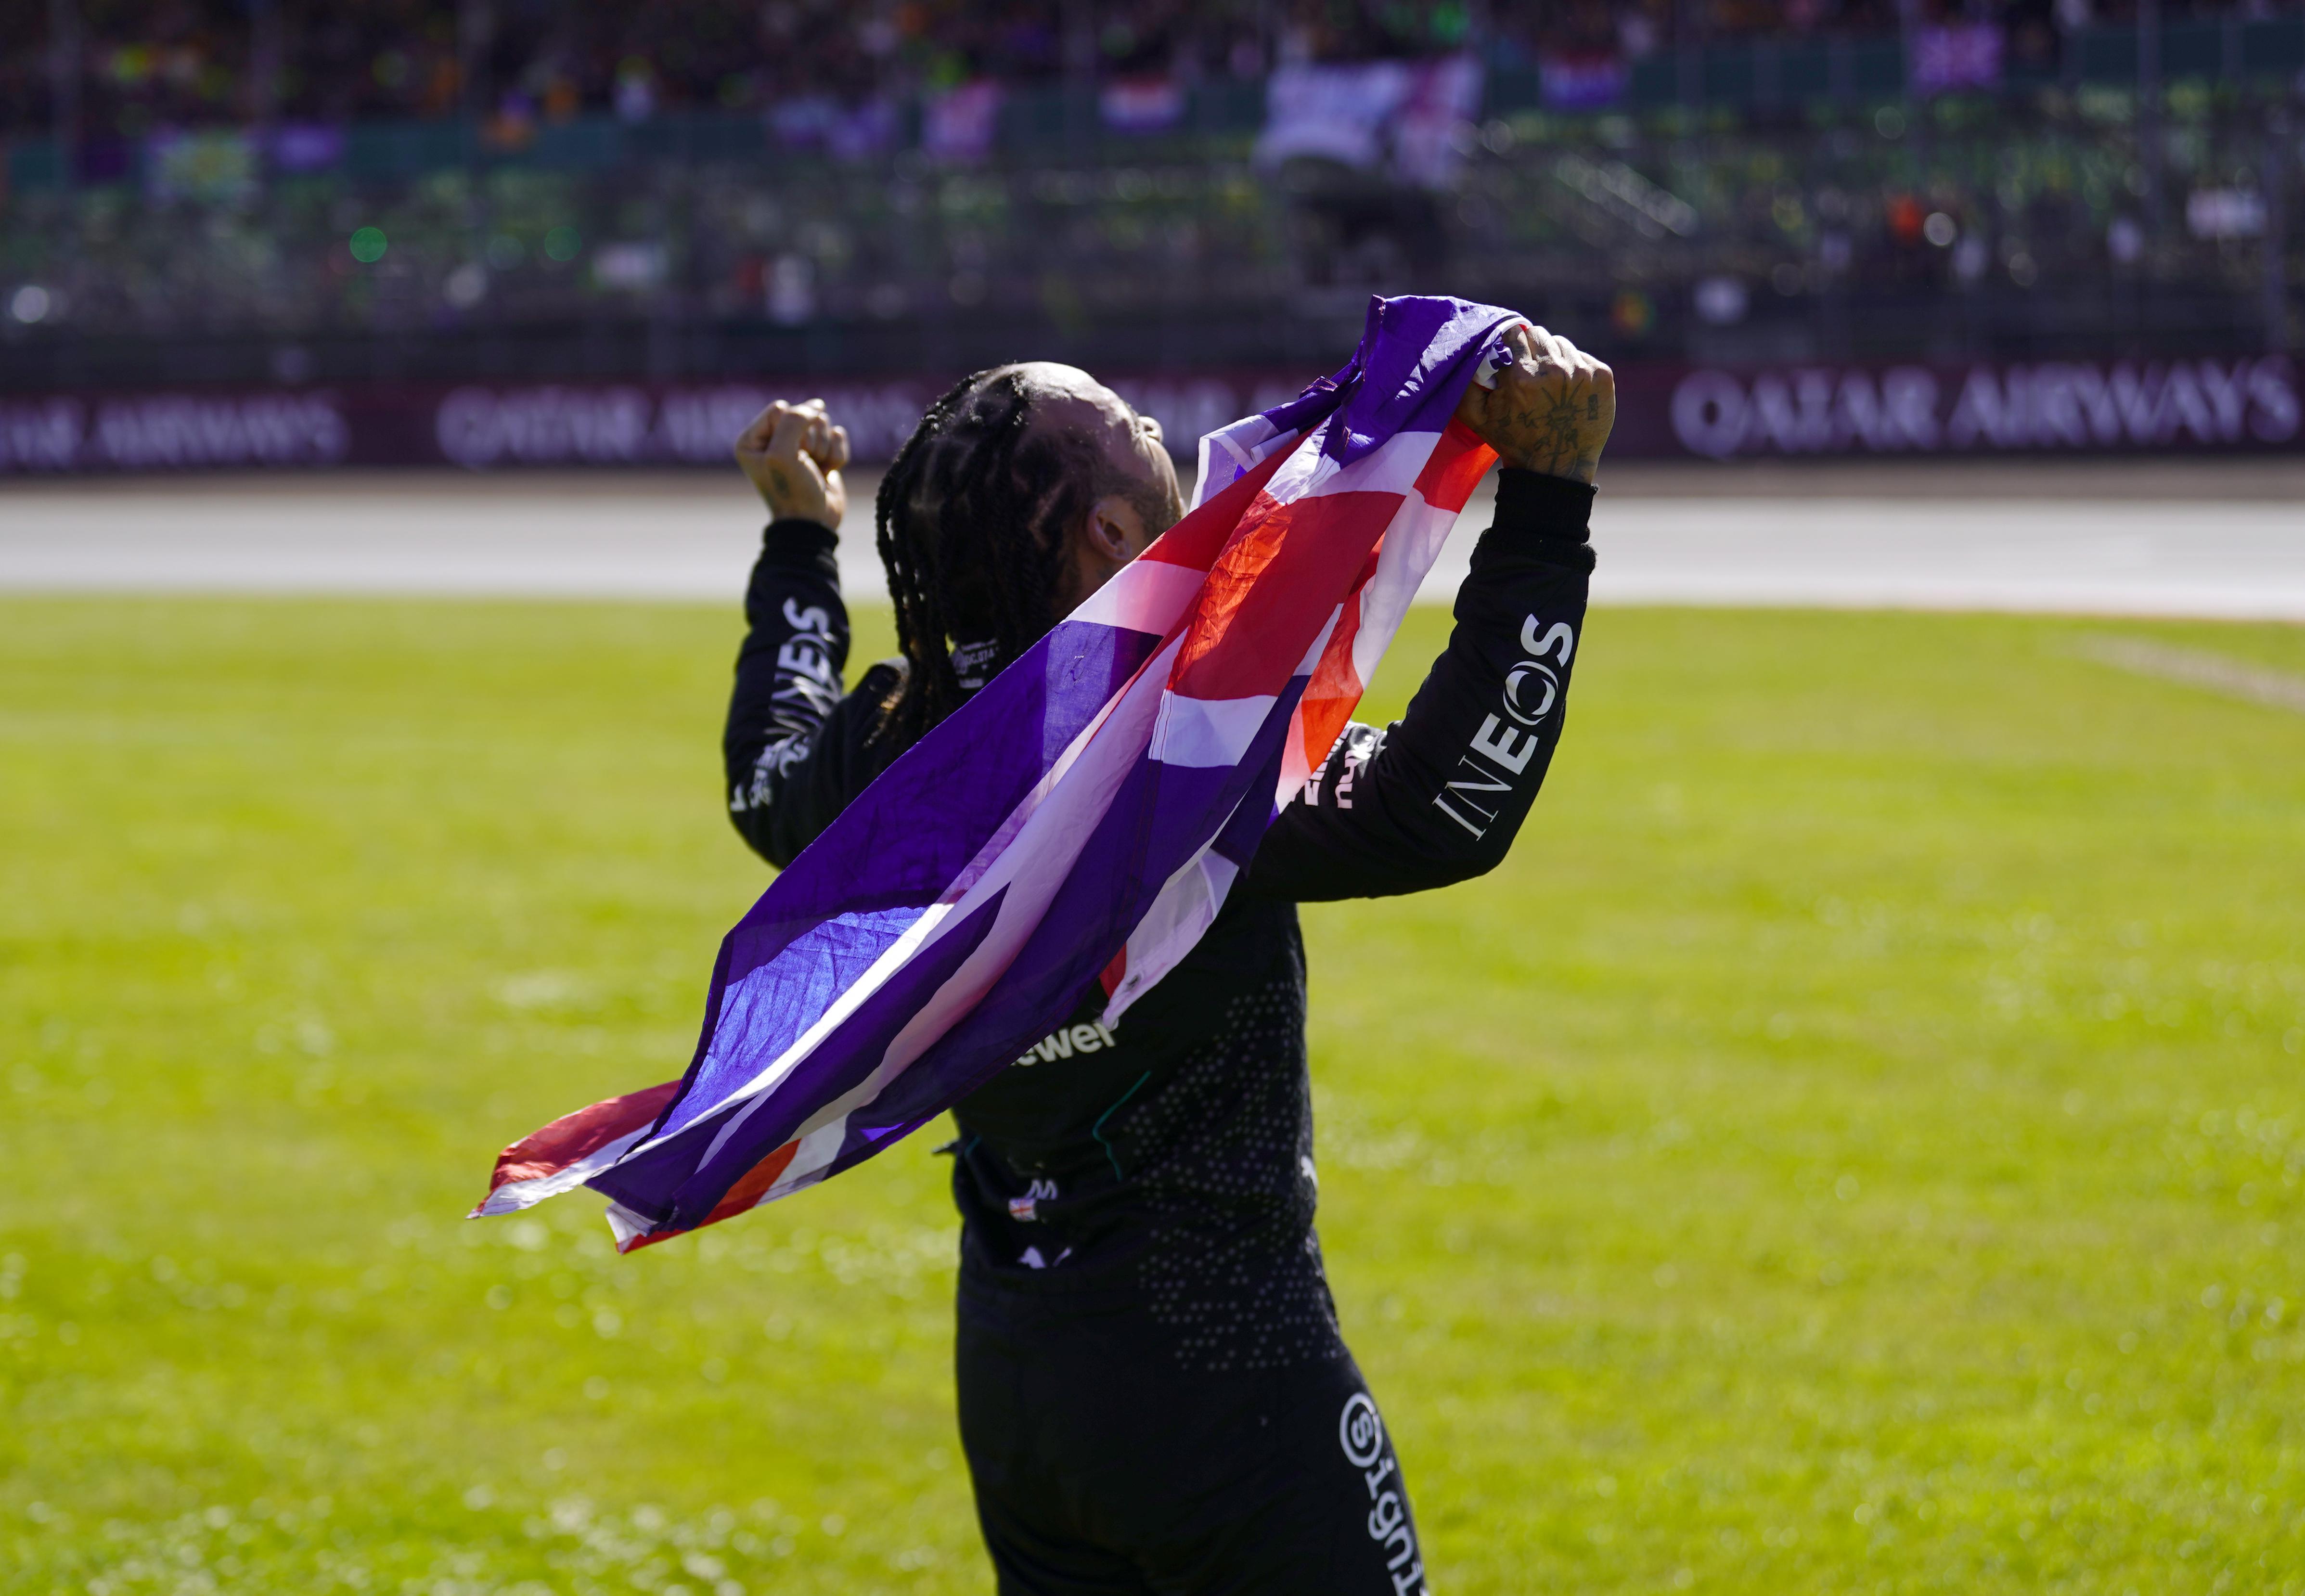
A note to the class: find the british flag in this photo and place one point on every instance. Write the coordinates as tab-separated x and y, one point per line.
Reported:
1079	820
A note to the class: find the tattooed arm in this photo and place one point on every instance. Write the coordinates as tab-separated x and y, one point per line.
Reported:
1438	796
1551	410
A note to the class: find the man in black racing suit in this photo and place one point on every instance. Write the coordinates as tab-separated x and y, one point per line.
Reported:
1153	1393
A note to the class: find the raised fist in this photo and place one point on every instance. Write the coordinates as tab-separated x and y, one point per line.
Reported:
793	453
1551	408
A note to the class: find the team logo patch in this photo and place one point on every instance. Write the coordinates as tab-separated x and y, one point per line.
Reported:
1361	1433
1360	1430
1064	1042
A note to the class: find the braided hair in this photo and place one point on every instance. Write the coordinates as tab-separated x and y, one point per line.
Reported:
973	515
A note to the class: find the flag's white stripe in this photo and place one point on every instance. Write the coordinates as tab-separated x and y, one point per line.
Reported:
516	1194
1412	543
1143	596
1296	765
1188	901
819	1144
1249	441
1311	660
627	1226
1394	466
1183	909
1029	805
1406	550
1306	466
1207	732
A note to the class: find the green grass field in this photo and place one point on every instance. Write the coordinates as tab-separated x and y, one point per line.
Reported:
1854	1144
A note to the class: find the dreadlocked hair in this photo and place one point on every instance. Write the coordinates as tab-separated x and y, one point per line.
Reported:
972	518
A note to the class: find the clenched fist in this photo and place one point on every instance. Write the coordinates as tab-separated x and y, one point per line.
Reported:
793	452
1551	408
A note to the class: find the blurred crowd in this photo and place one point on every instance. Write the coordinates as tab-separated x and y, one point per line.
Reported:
431	177
121	68
1973	226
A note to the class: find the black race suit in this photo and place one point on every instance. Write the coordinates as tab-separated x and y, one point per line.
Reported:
1153	1393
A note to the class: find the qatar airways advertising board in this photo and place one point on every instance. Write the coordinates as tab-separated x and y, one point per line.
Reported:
2205	406
2073	407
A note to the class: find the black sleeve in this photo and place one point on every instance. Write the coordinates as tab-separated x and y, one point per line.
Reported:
1437	796
789	685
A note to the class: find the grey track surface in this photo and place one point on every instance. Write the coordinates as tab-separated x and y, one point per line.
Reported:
2219	539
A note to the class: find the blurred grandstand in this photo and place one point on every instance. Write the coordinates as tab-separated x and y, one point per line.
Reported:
283	192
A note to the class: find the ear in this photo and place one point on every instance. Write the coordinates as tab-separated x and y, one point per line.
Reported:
1114	530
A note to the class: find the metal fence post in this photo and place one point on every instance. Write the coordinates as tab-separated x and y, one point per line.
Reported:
2274	288
64	88
1688	62
2148	112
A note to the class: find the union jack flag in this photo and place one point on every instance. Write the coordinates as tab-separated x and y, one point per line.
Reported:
1080	819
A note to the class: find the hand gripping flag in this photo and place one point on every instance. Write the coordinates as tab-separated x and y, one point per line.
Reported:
1079	820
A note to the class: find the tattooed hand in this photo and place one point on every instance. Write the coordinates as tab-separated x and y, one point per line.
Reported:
1551	409
793	452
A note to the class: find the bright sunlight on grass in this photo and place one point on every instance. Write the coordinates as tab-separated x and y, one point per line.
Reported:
1853	1145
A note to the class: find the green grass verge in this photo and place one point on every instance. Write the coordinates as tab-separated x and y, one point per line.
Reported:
1853	1145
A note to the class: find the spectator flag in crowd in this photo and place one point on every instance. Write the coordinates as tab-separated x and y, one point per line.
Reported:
1077	822
1366	114
1956	55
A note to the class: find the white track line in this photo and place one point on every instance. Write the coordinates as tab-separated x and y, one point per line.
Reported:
2232	678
